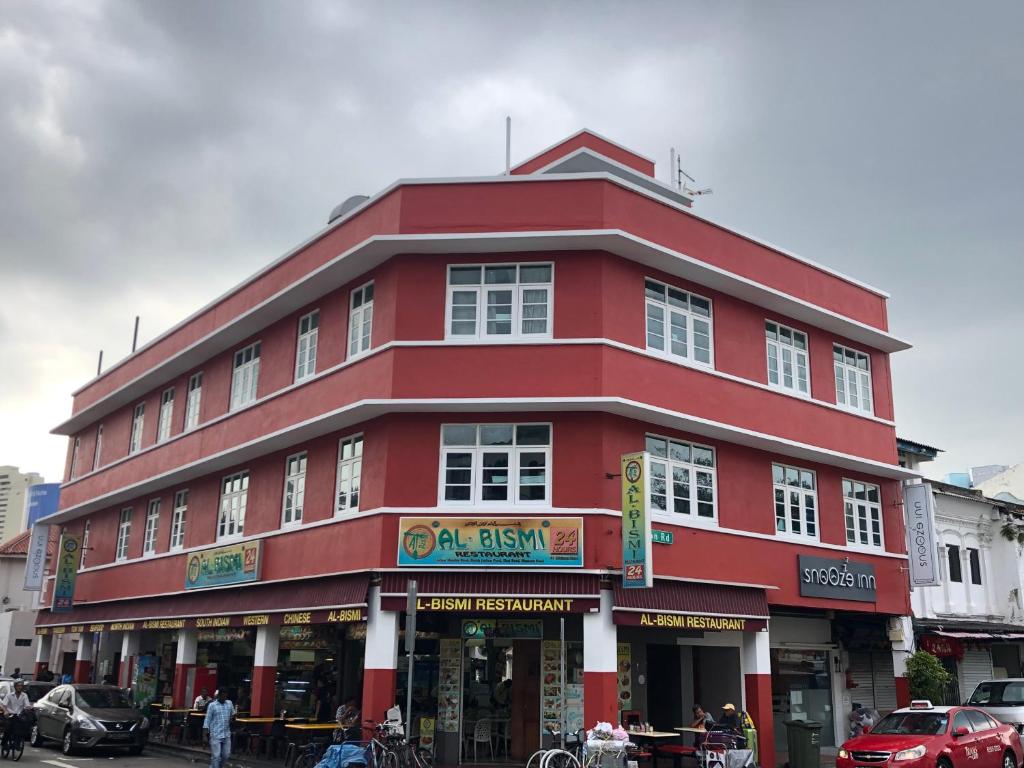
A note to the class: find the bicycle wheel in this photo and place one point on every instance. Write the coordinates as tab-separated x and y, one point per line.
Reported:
536	758
306	760
389	759
559	758
17	749
424	758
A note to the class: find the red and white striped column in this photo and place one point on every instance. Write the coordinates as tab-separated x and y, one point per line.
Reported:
83	658
380	664
264	670
757	689
129	650
600	685
44	647
184	663
902	634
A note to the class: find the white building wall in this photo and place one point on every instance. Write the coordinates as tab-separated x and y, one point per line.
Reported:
12	500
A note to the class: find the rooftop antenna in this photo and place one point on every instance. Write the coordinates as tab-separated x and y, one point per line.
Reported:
99	363
671	166
680	174
508	145
135	334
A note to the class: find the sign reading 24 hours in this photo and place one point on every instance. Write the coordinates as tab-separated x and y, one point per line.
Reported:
478	541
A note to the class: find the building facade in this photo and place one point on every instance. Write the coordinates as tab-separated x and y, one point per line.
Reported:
18	607
974	620
13	489
438	388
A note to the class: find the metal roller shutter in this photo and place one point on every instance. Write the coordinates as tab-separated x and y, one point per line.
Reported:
860	675
875	681
975	667
885	681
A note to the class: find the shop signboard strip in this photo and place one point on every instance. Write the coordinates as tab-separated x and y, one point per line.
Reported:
921	541
287	618
687	621
68	557
231	564
637	557
496	604
476	541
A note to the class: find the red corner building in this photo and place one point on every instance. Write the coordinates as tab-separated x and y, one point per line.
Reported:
438	387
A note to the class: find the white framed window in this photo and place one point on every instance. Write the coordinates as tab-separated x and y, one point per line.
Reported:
360	320
787	358
245	376
85	544
163	424
499	301
99	448
178	520
678	323
862	504
234	495
294	489
124	534
193	399
305	350
138	421
495	464
682	479
853	378
796	501
76	447
152	525
349	476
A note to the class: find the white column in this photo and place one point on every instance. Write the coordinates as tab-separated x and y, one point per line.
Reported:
600	638
381	635
44	645
965	577
902	648
268	641
757	658
188	642
129	650
85	648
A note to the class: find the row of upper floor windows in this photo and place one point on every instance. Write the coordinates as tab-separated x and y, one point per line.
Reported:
508	466
514	302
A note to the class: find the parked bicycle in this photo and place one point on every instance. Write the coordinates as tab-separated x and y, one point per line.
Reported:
567	751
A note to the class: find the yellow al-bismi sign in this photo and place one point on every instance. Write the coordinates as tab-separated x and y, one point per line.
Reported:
636	522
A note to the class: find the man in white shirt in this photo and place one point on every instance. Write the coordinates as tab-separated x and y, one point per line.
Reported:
201	700
13	704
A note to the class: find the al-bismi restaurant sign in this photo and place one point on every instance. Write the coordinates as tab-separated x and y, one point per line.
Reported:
476	541
688	621
231	564
843	579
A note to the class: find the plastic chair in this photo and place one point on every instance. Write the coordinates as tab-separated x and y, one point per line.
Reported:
482	735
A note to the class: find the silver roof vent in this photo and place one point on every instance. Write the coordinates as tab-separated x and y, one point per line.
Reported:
340	210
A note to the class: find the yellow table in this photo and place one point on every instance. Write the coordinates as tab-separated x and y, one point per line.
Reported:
312	726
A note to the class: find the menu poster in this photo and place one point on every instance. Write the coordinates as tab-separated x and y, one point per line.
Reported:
573	707
551	685
449	686
624	673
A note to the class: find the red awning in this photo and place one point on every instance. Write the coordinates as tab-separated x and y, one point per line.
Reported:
494	592
308	595
700	606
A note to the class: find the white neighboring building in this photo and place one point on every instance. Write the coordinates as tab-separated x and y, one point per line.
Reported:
17	606
13	485
1008	484
973	621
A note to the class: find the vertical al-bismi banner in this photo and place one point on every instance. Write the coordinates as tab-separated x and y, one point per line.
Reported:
921	540
68	558
636	522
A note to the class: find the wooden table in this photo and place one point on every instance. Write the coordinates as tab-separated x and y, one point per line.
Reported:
654	736
312	726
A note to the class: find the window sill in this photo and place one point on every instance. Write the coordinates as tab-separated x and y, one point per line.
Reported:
794	393
671	518
797	537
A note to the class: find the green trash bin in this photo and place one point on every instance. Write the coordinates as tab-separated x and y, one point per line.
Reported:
803	739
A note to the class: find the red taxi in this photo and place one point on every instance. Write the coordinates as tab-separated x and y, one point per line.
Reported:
923	736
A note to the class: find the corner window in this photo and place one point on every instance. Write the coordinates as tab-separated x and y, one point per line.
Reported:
862	504
85	544
682	478
678	322
495	464
124	532
796	501
245	376
787	358
497	301
360	320
163	428
193	400
99	448
349	477
853	378
138	421
974	562
178	520
294	489
953	560
152	525
234	495
75	448
305	350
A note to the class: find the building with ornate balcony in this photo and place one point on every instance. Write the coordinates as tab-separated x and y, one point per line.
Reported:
438	387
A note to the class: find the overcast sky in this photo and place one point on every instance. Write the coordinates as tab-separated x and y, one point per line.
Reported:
152	154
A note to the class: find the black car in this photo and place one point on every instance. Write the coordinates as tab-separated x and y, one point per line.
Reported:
86	716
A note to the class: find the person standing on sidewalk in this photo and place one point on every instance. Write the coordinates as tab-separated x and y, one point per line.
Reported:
217	728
